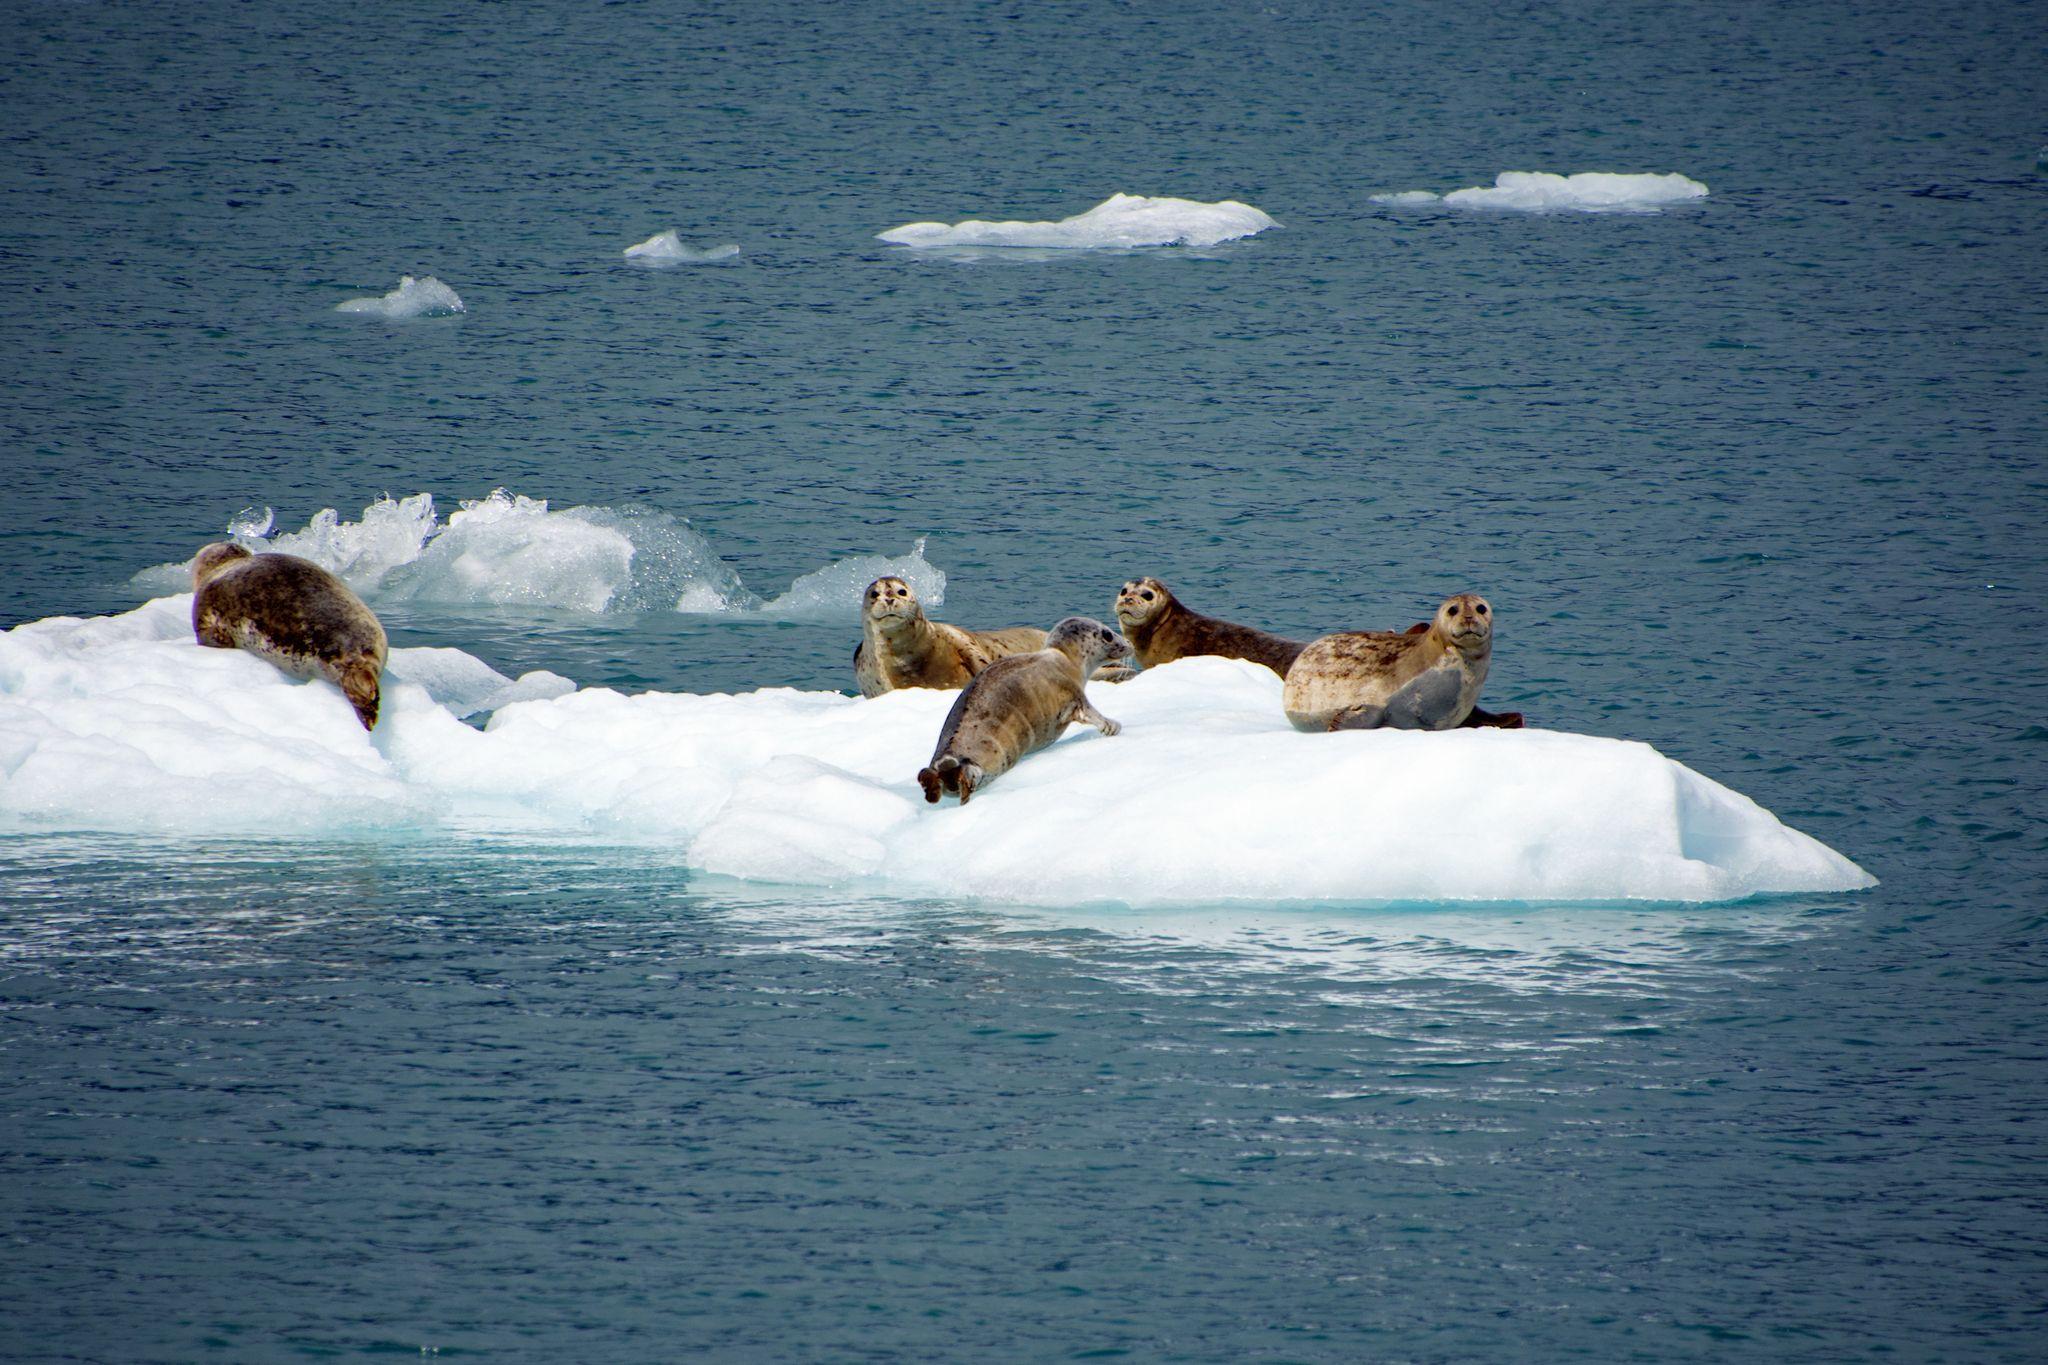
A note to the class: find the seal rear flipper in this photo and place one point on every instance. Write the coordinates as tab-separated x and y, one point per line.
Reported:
361	684
1493	720
939	777
969	778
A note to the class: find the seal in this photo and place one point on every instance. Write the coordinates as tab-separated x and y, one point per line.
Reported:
1161	629
1365	679
900	647
1018	705
291	613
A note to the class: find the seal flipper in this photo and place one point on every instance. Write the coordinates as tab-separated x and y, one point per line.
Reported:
933	779
1426	702
1492	720
1085	714
970	776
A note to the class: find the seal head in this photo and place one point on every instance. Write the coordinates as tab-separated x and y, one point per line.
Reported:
211	559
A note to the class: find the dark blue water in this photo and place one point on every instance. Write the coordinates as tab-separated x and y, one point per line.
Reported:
1759	480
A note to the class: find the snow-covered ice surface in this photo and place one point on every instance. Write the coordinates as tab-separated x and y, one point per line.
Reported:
1539	191
667	248
1122	220
1208	796
414	298
508	550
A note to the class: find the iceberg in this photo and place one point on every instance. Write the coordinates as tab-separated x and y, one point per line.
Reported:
1541	191
833	593
1207	797
666	248
414	298
509	550
503	550
1122	220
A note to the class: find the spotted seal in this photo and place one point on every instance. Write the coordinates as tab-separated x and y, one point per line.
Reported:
1365	679
291	613
1161	629
1018	705
901	647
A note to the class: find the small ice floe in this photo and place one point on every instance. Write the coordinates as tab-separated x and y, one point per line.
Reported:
1541	191
1122	220
666	248
833	593
504	550
414	298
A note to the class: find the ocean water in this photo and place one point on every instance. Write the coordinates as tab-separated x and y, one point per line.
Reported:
1755	478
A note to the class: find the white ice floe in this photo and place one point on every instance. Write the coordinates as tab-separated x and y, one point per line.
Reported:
1208	796
414	298
1122	220
666	248
1589	192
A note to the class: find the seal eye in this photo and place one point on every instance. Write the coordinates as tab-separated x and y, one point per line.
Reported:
1454	611
1481	609
1146	595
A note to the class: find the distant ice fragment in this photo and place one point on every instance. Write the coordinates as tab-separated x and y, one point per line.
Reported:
1122	220
414	298
1541	191
666	248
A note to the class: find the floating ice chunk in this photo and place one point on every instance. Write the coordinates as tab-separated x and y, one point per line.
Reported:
1122	220
1589	192
833	593
125	724
466	685
502	550
414	298
666	248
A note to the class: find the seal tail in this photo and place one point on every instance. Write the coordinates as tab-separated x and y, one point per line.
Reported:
361	682
937	778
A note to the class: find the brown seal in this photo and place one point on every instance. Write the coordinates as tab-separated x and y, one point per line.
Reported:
1364	679
291	613
899	647
1018	705
1161	630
